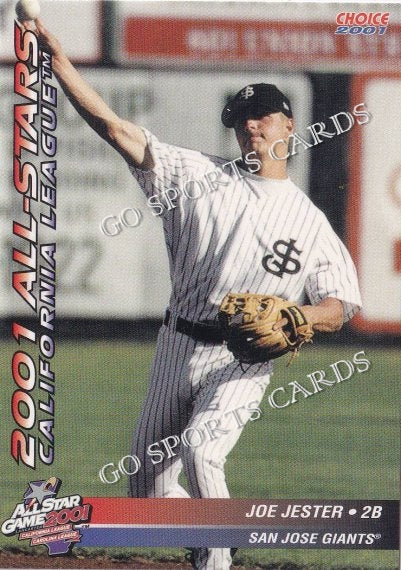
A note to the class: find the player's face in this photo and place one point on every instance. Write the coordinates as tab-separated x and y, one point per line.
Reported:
259	132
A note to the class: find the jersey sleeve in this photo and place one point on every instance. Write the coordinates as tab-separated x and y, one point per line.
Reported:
173	166
334	273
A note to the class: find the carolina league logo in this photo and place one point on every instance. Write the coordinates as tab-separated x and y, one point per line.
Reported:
45	519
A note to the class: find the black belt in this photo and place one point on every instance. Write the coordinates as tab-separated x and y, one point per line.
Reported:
197	331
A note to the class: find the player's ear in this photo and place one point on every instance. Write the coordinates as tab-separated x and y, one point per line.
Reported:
290	125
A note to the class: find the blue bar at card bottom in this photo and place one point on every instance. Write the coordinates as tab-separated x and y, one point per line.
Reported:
220	537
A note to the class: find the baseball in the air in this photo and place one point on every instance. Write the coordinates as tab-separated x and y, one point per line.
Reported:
27	10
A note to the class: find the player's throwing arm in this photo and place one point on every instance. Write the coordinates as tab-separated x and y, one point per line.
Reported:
128	139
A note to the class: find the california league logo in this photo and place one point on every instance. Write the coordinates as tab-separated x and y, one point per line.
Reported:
45	519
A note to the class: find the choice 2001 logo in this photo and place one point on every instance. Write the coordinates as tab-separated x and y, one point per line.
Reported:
366	23
45	519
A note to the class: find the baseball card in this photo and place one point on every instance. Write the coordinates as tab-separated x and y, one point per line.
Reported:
200	291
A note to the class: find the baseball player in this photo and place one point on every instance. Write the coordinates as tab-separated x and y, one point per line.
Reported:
232	226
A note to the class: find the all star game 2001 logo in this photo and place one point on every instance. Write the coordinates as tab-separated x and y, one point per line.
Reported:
45	519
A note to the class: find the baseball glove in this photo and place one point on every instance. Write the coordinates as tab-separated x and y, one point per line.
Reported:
247	322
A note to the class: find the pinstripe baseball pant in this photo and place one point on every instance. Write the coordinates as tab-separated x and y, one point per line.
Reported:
198	402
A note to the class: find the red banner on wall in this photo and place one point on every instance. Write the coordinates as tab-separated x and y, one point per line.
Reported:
238	40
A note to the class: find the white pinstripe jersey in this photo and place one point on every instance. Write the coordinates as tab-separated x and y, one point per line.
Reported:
242	233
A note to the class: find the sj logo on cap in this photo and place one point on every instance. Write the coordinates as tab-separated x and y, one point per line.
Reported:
247	92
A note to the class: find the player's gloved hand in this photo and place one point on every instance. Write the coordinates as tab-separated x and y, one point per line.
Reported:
258	328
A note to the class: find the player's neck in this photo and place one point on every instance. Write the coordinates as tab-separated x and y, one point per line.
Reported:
273	169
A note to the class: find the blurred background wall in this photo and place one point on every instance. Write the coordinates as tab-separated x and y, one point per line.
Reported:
170	66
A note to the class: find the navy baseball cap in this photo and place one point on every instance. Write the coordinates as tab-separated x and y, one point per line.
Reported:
260	98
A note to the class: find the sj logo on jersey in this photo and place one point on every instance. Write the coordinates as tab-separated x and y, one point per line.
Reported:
44	519
287	262
366	23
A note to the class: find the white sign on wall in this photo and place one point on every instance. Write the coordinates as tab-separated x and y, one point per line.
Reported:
97	275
